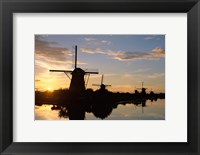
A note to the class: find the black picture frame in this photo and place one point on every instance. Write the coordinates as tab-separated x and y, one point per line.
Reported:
8	7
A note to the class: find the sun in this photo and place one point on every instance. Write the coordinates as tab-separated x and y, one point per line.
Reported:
49	89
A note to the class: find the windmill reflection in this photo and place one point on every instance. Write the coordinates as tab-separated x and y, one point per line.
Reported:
100	103
100	106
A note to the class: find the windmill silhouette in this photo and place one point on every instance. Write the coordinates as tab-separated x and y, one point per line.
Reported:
143	90
77	84
101	85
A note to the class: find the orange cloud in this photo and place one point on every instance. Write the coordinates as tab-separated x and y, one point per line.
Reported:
156	54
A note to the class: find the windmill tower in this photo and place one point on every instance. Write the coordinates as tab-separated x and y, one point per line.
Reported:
77	84
101	85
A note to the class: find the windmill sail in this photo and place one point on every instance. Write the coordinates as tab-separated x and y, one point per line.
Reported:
68	71
75	66
101	85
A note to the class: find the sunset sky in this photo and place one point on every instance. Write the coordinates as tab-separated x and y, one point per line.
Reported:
125	60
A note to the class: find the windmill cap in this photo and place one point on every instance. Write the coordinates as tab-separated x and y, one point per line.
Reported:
78	71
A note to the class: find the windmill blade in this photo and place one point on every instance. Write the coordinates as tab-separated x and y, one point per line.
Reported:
67	75
75	64
107	85
66	71
87	81
91	71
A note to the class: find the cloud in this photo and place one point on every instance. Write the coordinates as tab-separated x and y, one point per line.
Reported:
155	54
50	55
159	51
151	37
105	42
127	75
89	39
141	70
95	42
51	50
155	75
92	51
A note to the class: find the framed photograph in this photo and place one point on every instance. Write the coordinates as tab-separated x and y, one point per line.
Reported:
82	94
102	77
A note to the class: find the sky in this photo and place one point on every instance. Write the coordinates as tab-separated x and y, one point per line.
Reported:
125	61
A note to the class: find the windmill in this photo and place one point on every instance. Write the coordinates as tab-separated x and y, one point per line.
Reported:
77	84
102	86
143	90
151	92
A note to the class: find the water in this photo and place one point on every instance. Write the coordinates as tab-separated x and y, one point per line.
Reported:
127	111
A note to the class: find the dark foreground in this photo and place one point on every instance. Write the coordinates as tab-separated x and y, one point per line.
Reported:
101	102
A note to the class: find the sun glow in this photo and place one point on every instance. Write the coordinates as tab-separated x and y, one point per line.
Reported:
49	89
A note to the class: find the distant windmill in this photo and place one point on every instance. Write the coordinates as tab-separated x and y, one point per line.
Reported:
77	84
101	85
151	91
142	88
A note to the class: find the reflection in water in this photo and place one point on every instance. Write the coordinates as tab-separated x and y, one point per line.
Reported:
44	112
127	110
74	105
